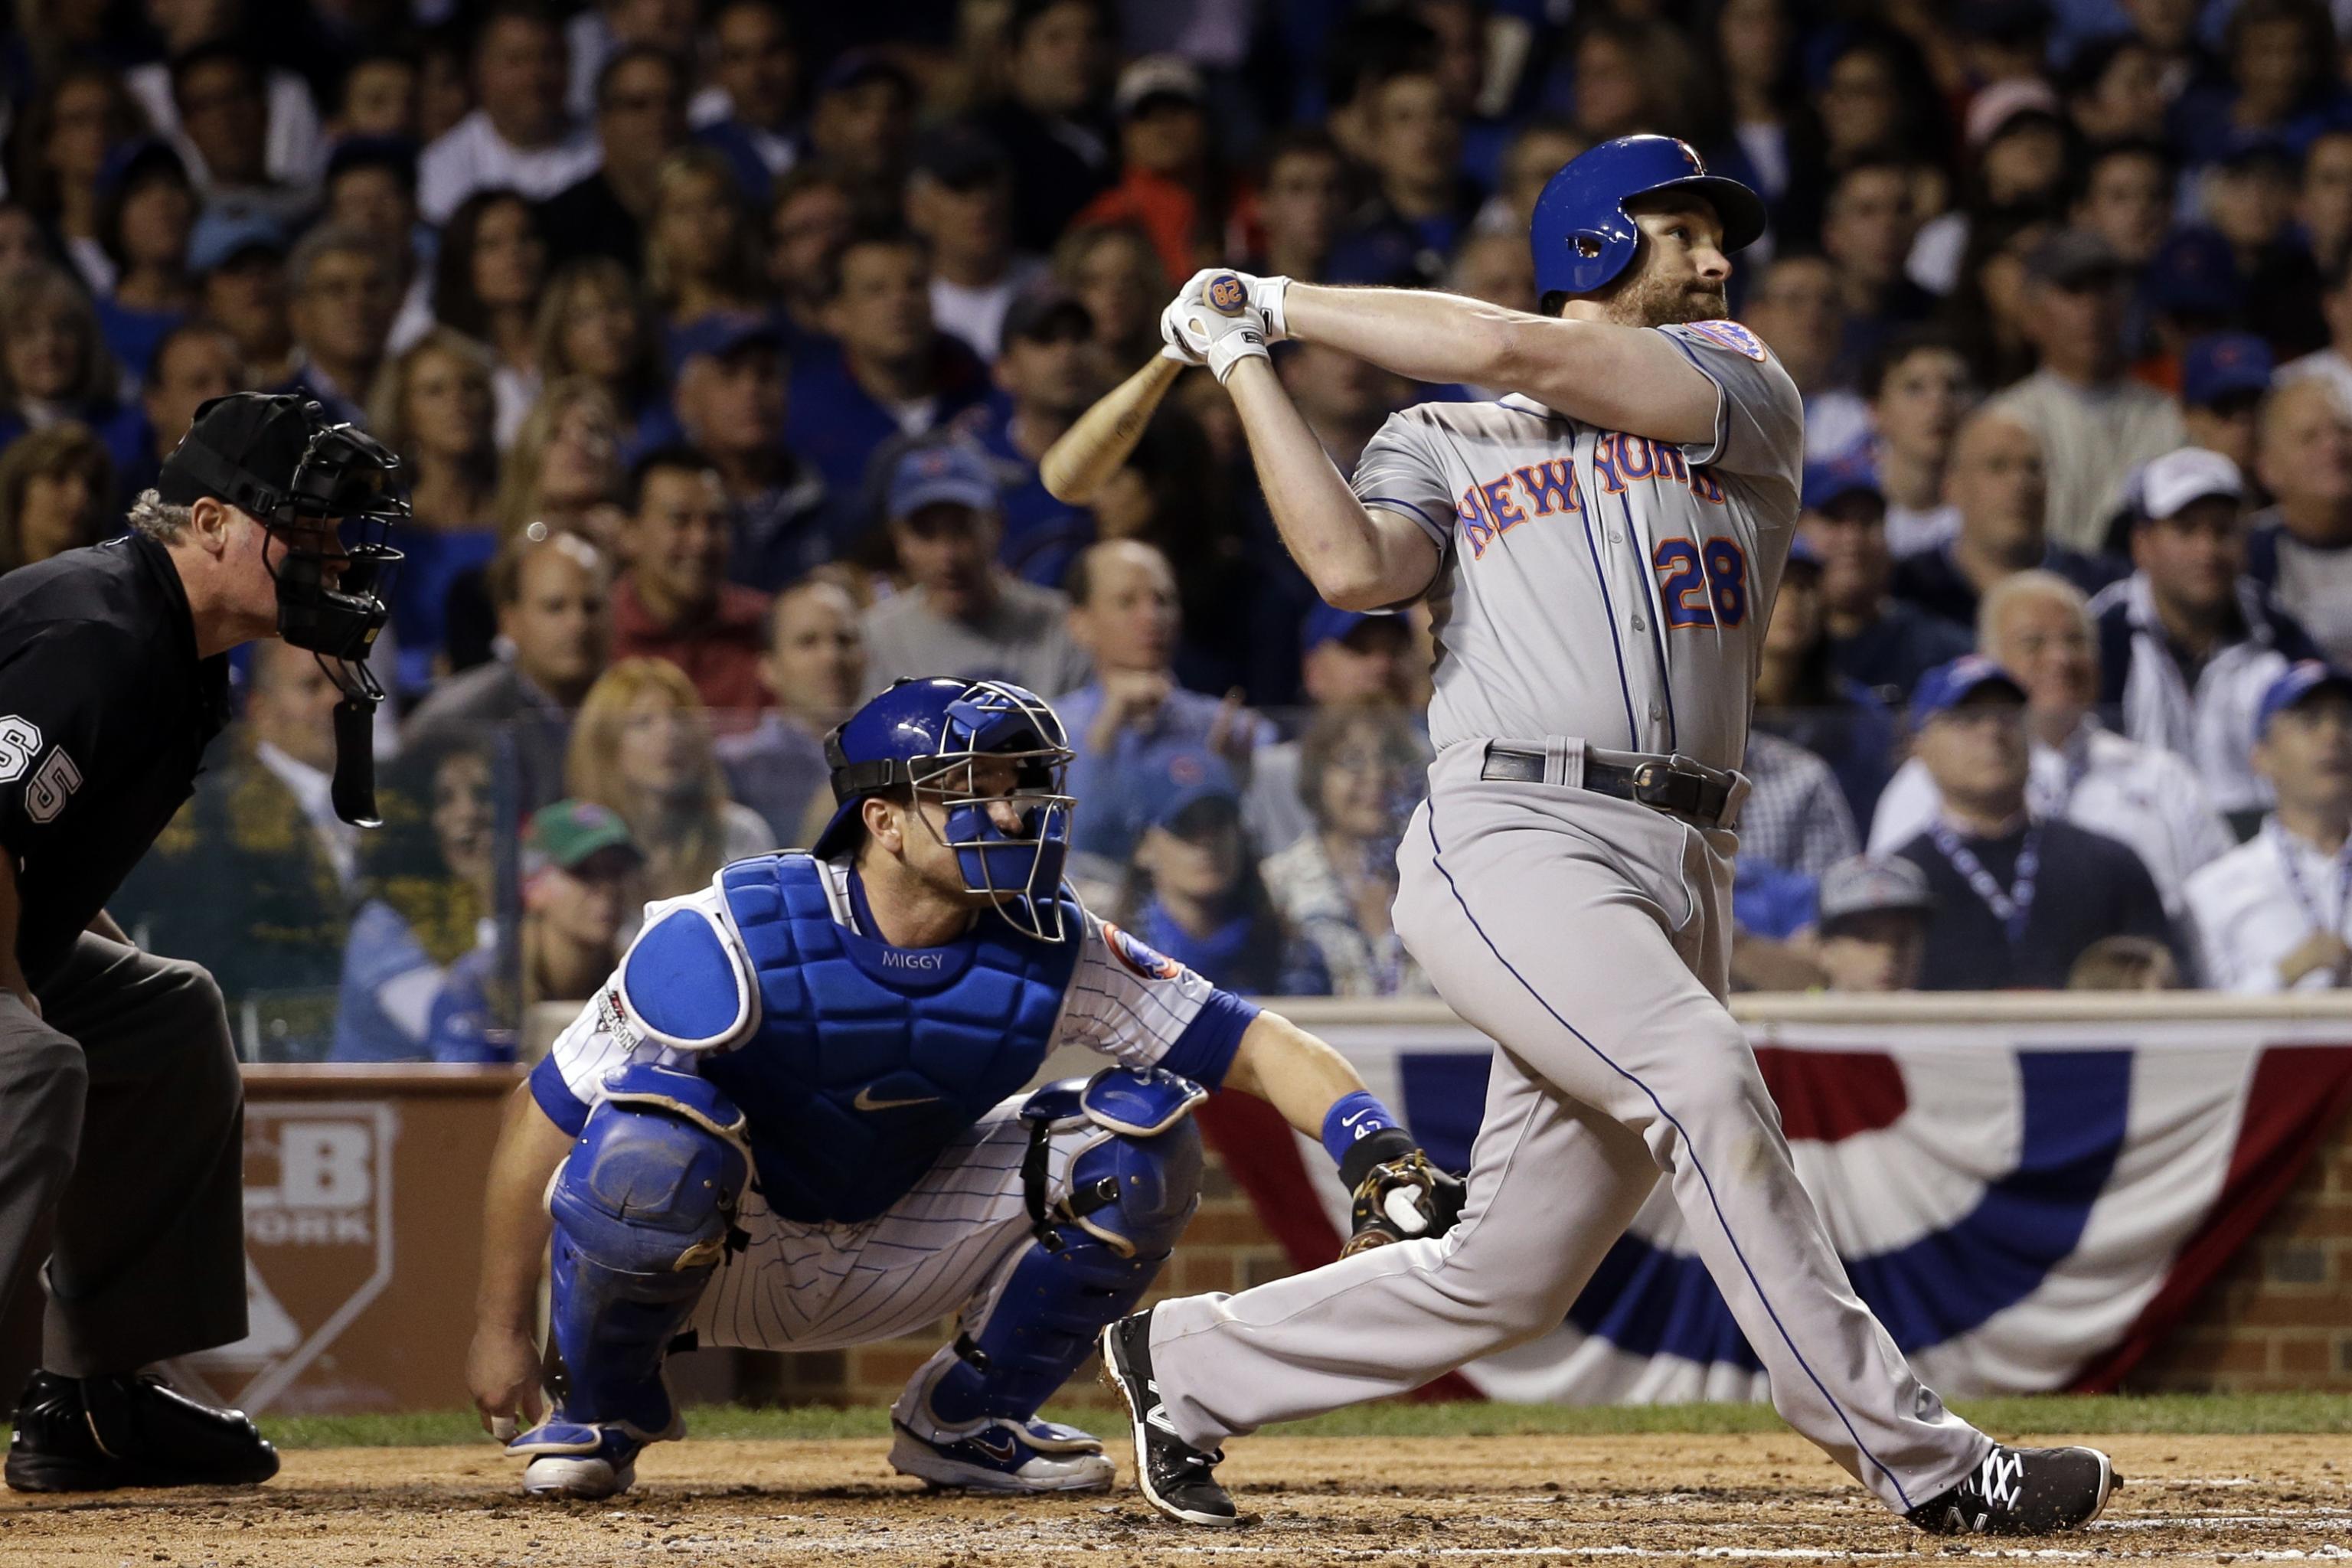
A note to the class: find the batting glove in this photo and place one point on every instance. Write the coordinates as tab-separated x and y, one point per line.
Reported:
1221	326
1265	296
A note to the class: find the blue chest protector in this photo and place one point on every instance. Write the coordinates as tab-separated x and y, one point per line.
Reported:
868	1060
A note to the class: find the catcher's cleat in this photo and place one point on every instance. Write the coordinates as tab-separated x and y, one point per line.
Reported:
2023	1491
1030	1456
95	1434
577	1460
1177	1479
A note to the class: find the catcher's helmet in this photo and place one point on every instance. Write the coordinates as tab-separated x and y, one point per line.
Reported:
924	734
1582	237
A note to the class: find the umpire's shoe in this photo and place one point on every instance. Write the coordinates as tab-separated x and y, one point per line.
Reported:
95	1434
2023	1491
1177	1479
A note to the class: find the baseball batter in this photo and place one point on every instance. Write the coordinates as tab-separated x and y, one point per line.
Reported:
1600	548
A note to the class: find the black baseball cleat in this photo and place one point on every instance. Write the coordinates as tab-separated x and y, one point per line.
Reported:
1177	1479
95	1434
2023	1491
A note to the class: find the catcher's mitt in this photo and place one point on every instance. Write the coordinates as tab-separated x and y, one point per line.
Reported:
1403	1199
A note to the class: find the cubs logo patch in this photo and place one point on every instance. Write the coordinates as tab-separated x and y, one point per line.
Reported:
1733	336
1226	293
1145	963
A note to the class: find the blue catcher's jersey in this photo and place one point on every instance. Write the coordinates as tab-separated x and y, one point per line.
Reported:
856	1063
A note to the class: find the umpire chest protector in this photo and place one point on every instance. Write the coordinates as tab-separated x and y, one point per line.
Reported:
858	1062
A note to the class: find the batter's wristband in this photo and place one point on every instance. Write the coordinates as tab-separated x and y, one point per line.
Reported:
1352	1119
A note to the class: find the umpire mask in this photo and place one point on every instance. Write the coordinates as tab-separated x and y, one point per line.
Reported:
324	493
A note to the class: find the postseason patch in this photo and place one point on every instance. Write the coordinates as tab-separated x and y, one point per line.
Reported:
1143	961
1731	335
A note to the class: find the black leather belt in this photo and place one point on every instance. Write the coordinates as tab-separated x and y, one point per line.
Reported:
1675	786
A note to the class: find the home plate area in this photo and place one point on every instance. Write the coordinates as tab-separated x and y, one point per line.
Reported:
1455	1500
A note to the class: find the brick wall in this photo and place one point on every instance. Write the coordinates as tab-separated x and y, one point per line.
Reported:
2279	1317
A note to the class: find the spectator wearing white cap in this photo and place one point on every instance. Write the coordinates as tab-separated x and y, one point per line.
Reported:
2300	547
2017	146
2272	915
1873	935
2189	643
2037	627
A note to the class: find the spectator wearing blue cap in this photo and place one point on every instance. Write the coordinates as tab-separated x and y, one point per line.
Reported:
1346	659
1124	615
2095	424
1193	890
2037	627
861	122
750	110
2189	643
522	137
1802	698
960	613
1997	481
2016	898
2223	377
2272	915
1918	389
641	94
888	372
239	263
2299	548
2191	288
1871	641
1046	376
729	398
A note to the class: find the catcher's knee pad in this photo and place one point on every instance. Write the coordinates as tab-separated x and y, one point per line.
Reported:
1134	1182
643	1207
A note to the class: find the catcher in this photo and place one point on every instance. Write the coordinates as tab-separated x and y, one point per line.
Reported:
792	1120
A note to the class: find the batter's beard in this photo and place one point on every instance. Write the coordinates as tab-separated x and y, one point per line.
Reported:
1659	302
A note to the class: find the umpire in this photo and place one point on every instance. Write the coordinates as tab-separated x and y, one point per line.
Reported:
121	1112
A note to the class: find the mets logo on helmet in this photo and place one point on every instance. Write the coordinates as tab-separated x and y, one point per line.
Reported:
1226	294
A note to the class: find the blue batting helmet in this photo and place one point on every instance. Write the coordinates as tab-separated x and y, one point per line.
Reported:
924	736
1582	234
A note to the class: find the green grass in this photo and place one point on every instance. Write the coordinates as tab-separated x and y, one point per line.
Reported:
2169	1413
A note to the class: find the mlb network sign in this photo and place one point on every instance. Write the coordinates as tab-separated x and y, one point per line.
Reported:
319	1241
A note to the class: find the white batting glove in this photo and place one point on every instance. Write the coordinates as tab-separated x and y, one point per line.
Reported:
1172	332
1265	296
1221	326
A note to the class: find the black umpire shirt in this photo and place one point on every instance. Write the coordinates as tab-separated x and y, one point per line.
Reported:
2089	886
105	712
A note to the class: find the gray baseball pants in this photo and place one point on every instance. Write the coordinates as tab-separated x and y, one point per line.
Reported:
121	1151
1590	938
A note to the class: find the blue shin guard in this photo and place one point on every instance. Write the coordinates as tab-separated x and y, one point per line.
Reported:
643	1205
1132	1186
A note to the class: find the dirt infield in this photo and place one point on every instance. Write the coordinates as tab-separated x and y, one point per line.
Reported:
1499	1500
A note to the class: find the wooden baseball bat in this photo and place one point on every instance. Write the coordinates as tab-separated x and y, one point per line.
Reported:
1092	449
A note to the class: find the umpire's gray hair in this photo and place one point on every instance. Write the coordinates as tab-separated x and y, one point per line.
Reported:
158	519
2034	582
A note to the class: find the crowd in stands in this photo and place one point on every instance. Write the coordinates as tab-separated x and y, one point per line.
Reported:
719	341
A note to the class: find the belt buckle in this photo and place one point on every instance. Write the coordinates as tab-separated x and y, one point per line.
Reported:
1652	780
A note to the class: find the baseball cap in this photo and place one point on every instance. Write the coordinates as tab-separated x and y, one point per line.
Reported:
567	833
856	68
265	436
719	334
1157	76
960	155
396	153
1802	554
222	236
1037	312
1326	623
2187	474
138	156
1183	779
2224	364
1990	112
1828	483
2195	270
2295	683
2074	258
1867	884
1948	685
948	471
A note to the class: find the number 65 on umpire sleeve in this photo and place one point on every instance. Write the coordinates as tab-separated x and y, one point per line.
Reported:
52	783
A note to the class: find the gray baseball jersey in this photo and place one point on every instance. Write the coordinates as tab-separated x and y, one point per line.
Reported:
1597	584
1602	588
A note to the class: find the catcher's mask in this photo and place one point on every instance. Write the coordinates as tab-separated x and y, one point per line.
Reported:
324	494
936	738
